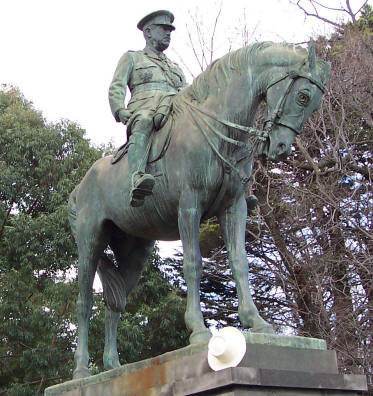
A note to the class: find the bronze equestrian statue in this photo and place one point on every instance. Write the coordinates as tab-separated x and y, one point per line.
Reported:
202	159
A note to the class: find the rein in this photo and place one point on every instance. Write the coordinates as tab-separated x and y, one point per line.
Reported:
228	163
263	135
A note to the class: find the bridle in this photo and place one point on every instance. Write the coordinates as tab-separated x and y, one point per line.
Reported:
275	118
261	135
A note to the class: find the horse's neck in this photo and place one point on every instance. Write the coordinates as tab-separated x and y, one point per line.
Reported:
234	100
242	97
234	97
251	91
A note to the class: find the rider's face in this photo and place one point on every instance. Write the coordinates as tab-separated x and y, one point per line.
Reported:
160	36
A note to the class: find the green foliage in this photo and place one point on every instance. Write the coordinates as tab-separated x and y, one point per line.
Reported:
209	236
153	323
162	309
366	18
40	164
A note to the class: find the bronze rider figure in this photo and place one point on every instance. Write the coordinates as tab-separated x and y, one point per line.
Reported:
153	80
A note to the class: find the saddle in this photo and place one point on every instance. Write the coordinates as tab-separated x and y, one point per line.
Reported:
159	142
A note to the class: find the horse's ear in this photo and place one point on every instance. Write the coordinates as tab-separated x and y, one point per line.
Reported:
311	55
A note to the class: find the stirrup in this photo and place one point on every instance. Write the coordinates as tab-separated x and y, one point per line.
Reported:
141	188
251	202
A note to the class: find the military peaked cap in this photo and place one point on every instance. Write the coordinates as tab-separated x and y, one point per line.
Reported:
161	17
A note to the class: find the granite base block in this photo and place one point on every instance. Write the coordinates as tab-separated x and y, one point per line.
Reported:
282	367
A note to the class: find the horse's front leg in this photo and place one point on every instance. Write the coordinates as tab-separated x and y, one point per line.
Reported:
189	219
233	223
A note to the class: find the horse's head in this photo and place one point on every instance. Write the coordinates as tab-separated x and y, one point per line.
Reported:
291	98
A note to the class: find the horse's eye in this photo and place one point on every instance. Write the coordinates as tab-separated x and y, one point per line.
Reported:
303	98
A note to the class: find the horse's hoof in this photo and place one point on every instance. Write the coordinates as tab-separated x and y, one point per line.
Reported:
82	372
266	329
200	337
112	365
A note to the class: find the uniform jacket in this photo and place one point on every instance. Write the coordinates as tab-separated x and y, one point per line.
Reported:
145	73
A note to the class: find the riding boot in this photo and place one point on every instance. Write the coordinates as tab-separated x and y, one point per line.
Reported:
141	183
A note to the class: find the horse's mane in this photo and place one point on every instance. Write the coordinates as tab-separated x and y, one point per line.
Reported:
221	70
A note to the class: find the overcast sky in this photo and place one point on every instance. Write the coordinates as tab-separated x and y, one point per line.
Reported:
62	53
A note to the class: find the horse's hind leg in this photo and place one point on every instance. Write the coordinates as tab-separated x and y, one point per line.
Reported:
131	255
111	357
90	240
233	223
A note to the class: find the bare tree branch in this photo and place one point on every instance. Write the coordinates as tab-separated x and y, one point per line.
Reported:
213	35
326	7
315	5
316	15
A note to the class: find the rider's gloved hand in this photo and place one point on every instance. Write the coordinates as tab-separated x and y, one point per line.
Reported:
124	115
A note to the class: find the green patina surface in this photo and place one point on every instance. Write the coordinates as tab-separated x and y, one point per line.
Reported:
203	171
285	341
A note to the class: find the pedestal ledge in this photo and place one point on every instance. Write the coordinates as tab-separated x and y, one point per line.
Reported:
284	341
272	365
247	381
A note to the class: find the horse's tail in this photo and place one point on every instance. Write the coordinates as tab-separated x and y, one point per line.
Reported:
71	210
113	284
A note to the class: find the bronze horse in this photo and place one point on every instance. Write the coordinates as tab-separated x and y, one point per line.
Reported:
203	173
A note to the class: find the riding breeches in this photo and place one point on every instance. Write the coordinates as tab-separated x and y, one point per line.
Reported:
144	110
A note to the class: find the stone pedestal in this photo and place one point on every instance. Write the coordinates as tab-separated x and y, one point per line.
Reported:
273	365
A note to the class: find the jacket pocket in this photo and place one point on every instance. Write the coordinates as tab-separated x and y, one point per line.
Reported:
144	66
144	73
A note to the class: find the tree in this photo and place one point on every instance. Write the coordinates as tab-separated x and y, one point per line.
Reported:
317	208
40	164
326	13
207	41
153	322
310	243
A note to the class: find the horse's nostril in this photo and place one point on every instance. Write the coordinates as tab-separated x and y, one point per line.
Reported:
281	147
